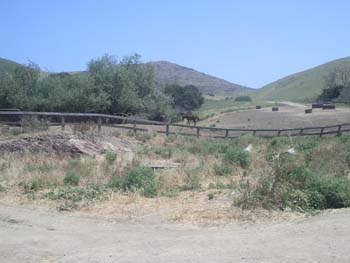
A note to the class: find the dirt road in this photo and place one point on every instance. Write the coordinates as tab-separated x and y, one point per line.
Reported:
37	236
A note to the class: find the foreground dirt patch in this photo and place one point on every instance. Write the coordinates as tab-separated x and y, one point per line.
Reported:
39	236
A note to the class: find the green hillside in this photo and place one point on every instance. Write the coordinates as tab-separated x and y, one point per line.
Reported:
305	85
7	65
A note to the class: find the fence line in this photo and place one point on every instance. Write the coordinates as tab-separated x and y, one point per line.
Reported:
107	120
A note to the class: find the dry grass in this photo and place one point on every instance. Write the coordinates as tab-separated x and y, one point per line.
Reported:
195	191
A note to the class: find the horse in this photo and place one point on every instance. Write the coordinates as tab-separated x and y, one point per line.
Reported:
190	117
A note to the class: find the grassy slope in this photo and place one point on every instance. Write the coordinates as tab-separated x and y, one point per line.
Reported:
305	85
7	65
212	107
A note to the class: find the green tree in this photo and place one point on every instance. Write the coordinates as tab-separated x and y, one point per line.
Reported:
185	97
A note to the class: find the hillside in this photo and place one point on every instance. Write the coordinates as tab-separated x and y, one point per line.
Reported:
169	73
7	65
305	85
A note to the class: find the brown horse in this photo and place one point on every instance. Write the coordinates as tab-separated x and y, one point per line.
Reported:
190	117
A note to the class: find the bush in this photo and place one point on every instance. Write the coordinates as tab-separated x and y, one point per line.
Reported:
192	182
136	178
222	170
72	196
32	124
237	156
32	185
71	179
110	157
243	98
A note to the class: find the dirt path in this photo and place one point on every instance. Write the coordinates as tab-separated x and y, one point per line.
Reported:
37	236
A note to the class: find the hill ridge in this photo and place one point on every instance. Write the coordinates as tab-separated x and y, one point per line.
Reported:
303	85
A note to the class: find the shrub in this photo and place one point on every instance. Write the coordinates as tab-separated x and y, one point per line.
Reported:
210	196
243	98
165	152
222	170
192	181
308	143
71	179
31	124
110	157
72	196
32	185
237	156
136	178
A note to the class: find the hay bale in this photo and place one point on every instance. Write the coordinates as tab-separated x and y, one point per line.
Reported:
328	107
317	105
275	109
307	111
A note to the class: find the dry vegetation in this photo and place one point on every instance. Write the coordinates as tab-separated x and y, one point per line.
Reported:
215	180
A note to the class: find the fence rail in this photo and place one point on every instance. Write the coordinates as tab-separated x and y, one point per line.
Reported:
137	124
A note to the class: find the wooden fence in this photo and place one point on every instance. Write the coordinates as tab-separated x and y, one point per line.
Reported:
136	124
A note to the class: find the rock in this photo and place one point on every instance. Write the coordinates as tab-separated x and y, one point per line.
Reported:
291	151
249	148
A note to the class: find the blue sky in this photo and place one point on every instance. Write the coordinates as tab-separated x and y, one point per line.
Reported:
247	42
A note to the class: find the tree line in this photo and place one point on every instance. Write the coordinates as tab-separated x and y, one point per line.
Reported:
337	86
108	85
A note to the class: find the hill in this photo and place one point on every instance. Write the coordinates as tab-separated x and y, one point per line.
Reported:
305	85
167	73
7	65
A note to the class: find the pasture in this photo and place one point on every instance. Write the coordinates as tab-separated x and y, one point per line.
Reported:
290	115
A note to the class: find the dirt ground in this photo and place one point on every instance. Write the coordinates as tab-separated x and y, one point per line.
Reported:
291	115
28	235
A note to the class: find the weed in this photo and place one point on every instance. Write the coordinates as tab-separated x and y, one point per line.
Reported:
165	152
37	167
136	178
72	196
2	188
110	157
219	185
192	181
237	156
71	179
143	137
32	123
210	196
222	170
33	185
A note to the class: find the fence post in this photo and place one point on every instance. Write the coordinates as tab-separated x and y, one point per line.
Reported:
321	133
99	124
197	131
301	131
226	133
134	127
167	130
254	132
339	130
279	133
62	123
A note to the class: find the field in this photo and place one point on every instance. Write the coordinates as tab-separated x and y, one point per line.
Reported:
290	115
108	193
